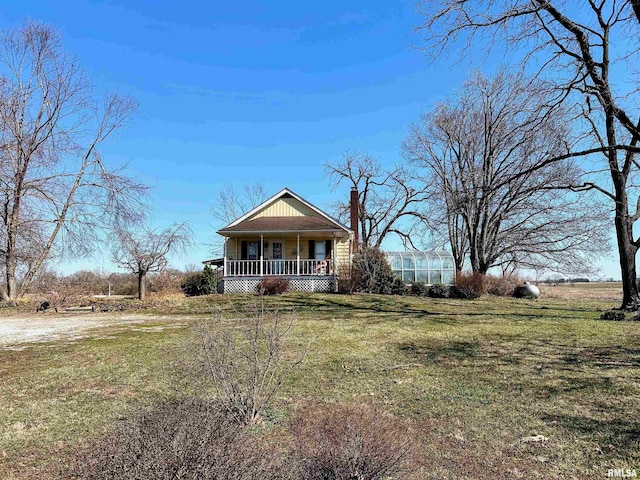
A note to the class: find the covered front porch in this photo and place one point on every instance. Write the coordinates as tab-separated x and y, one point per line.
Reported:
301	254
309	260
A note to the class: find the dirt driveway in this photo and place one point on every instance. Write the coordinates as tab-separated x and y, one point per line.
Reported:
16	332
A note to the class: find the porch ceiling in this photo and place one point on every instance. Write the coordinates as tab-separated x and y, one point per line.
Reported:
283	225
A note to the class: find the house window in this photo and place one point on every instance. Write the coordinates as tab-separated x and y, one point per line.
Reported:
321	251
253	251
249	250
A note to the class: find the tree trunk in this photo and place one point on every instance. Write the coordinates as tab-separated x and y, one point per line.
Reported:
11	293
142	285
627	251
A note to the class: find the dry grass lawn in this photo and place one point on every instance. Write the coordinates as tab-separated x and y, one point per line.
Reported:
477	378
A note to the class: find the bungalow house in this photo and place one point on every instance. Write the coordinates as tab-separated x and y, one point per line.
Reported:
285	236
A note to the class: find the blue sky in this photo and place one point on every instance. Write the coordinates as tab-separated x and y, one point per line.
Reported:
247	92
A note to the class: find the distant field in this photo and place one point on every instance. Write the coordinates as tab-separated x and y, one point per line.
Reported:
476	378
609	291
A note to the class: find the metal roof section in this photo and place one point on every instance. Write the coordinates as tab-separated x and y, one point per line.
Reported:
283	225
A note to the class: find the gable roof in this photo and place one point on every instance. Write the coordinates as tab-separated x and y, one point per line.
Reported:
245	224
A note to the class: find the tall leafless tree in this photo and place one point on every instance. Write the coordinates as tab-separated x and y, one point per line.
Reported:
145	252
481	154
389	201
231	204
57	194
590	51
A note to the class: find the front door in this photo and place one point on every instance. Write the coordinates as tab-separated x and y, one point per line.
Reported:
277	255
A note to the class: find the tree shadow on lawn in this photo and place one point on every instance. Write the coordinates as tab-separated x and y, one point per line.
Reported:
540	354
616	436
437	310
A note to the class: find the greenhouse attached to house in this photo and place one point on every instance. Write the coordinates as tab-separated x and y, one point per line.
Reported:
430	267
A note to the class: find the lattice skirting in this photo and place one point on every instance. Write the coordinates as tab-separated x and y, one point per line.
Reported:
297	284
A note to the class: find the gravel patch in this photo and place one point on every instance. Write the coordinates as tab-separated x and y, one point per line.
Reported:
16	332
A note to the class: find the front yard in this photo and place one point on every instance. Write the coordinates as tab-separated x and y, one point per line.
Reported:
496	388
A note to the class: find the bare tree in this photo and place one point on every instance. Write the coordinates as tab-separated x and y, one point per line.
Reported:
142	253
57	195
389	202
590	51
231	204
481	154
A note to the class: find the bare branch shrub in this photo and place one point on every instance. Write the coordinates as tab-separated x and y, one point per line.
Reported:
501	286
184	438
468	286
272	286
344	442
241	362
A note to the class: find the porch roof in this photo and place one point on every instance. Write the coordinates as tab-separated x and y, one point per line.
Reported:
282	225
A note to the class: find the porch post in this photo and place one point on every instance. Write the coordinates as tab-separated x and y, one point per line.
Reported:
298	256
224	265
261	254
335	263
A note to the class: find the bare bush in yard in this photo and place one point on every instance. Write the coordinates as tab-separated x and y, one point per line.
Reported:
468	286
181	438
501	286
272	286
346	283
344	442
243	361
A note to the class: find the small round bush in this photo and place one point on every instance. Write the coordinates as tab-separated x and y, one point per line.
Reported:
439	291
419	289
201	283
338	441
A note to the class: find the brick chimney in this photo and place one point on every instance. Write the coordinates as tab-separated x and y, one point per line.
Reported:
355	221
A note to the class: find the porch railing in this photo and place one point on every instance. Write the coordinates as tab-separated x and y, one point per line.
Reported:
247	268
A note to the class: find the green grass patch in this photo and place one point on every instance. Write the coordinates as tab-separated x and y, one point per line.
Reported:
476	378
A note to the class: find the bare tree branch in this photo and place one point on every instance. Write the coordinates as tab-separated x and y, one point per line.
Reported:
57	195
485	154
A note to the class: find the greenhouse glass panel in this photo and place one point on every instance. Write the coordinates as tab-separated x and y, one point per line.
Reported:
448	277
395	261
421	260
407	262
428	267
447	263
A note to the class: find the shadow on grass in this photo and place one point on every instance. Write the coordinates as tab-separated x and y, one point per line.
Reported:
437	310
542	355
617	435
